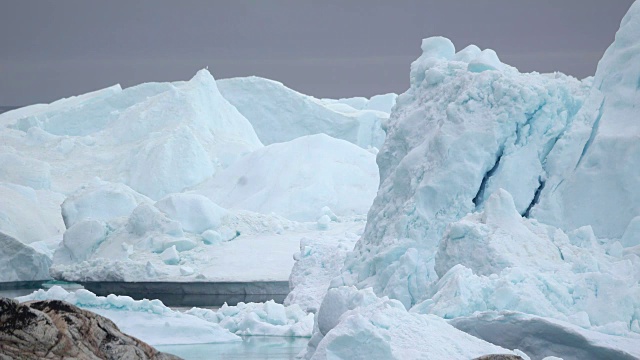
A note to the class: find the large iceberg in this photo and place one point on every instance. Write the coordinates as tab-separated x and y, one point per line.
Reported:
454	138
157	138
505	191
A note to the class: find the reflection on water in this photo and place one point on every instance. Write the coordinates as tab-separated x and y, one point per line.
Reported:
251	347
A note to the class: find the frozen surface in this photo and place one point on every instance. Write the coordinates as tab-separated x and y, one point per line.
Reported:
298	178
148	320
356	324
266	319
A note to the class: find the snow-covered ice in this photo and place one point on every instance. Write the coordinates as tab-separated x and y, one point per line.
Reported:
148	246
356	324
279	114
297	179
319	260
156	324
266	319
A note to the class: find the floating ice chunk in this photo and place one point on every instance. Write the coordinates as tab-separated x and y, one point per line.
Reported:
194	212
323	222
337	301
170	256
266	319
486	60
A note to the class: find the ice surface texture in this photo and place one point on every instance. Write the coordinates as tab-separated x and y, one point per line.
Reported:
279	114
298	178
477	158
148	320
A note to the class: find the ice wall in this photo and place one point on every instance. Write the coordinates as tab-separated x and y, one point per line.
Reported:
601	190
467	126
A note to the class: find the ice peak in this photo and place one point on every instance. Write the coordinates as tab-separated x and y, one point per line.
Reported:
438	47
203	76
499	207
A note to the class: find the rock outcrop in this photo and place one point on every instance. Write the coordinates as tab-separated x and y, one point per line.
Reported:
55	329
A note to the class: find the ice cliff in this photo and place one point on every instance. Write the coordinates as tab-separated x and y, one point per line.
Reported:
505	193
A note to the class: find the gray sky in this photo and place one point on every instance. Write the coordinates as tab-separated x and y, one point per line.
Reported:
54	49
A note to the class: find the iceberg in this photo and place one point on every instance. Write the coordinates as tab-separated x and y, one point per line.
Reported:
157	138
296	179
279	114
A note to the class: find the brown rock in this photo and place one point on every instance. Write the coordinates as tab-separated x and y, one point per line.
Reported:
55	329
499	357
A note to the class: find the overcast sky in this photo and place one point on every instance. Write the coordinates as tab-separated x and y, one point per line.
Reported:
54	49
